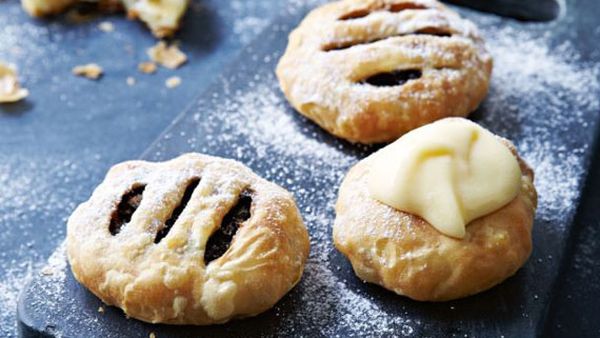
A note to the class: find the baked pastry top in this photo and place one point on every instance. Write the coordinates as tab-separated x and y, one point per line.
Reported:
404	253
161	16
370	70
194	240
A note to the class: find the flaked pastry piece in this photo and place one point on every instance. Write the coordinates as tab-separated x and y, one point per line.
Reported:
371	70
161	16
444	212
194	240
10	89
91	71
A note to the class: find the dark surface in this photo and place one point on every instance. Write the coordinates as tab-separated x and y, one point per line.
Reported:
553	129
527	10
57	144
575	309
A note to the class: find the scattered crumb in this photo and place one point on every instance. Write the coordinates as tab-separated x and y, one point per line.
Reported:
130	81
173	82
101	309
91	71
106	26
152	335
167	56
147	67
10	90
47	271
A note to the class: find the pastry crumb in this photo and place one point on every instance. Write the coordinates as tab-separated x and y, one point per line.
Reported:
47	271
152	335
10	89
147	67
130	81
100	309
167	56
173	82
91	71
106	26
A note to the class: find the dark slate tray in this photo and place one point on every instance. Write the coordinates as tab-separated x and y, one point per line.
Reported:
544	96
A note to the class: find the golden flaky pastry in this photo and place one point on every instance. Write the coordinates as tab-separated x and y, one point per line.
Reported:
371	70
154	240
407	255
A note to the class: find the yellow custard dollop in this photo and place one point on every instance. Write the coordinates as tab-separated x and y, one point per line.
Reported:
449	173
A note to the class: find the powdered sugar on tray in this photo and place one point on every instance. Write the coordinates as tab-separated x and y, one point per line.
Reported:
250	19
531	76
248	27
260	117
11	283
32	212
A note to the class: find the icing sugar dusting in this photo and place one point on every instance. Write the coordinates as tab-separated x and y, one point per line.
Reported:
260	116
10	284
32	209
541	77
247	28
257	127
249	19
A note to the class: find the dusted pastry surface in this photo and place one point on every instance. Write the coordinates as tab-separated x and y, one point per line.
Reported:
449	172
194	240
370	71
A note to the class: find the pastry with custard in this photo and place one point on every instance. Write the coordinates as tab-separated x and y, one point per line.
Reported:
369	71
444	212
194	240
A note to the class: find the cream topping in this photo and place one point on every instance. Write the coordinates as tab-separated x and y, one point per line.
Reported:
449	173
